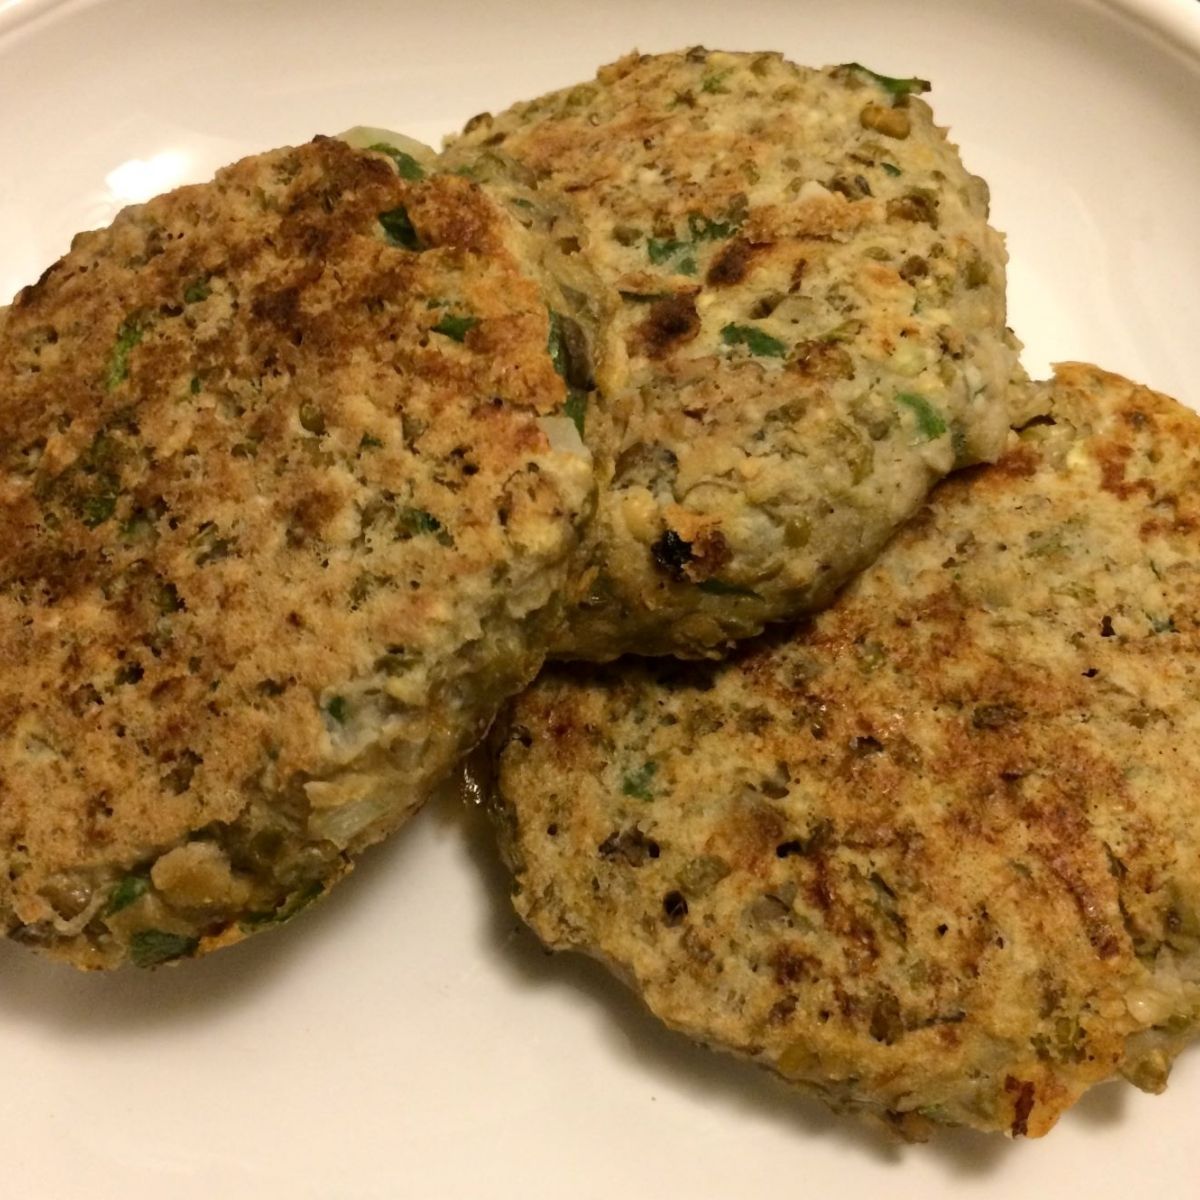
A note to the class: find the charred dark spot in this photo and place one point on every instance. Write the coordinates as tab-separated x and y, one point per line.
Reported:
732	265
671	323
1106	628
913	268
1025	1093
672	554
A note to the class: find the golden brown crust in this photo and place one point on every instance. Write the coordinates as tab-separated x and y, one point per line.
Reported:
937	853
282	523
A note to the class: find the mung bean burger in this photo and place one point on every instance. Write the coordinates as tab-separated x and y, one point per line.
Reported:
289	492
812	307
935	854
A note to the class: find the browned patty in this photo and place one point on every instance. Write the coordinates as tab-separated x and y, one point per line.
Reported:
935	854
812	314
287	495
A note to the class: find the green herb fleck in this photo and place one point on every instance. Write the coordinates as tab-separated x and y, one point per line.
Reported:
556	344
95	510
194	386
637	783
930	422
455	328
150	947
126	892
370	442
755	340
576	408
717	587
646	297
196	291
662	249
704	230
167	598
714	84
890	84
891	169
406	165
336	708
131	332
295	903
411	522
399	228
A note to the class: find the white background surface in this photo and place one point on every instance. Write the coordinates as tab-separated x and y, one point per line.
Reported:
405	1038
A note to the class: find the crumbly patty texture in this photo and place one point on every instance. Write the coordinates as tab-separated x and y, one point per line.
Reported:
287	494
812	309
936	853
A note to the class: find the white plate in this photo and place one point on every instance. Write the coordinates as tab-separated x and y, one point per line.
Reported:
407	1038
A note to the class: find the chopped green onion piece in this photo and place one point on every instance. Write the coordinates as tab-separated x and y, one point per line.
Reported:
645	297
126	892
662	249
406	165
295	903
890	84
556	344
576	408
412	522
95	510
930	422
455	328
399	228
755	340
150	947
717	587
336	708
891	168
131	332
637	783
704	230
196	291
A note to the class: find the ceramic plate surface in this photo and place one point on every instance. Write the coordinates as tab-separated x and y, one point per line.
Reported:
407	1038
